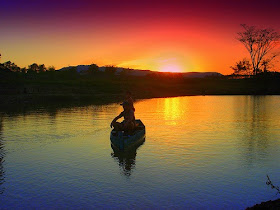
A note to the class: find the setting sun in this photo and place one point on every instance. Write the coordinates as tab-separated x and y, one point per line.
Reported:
170	65
171	68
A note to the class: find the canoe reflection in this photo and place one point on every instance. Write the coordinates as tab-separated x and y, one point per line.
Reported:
126	159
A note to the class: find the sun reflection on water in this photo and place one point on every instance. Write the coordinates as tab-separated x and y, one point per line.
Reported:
172	110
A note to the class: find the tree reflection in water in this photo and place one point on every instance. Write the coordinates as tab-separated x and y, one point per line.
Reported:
126	159
1	157
253	121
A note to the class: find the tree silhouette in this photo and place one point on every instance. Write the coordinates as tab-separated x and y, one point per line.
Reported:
42	68
93	68
259	43
33	68
23	70
11	66
242	67
110	69
7	64
51	68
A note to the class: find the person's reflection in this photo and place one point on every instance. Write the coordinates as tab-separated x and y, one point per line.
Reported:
126	160
1	156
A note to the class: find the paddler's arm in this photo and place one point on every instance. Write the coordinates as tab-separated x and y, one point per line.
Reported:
116	118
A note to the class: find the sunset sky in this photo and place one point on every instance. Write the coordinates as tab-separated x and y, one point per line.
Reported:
157	35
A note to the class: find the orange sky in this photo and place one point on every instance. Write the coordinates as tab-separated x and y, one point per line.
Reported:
156	35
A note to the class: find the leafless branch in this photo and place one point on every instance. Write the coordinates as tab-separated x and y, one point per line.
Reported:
258	42
269	183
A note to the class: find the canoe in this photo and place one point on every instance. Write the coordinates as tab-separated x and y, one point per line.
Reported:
124	142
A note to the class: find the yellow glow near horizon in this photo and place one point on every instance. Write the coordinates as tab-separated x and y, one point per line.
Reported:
163	62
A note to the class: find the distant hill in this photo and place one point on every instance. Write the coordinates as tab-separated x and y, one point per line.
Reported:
82	69
201	74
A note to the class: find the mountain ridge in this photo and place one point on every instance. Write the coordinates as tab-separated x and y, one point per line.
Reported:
82	69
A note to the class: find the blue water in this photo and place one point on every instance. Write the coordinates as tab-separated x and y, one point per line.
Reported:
200	152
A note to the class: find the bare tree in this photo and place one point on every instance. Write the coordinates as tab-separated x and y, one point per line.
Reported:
259	43
269	183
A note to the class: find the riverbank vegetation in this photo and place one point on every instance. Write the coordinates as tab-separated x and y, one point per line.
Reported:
38	83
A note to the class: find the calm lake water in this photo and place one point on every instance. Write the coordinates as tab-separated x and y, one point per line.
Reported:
200	152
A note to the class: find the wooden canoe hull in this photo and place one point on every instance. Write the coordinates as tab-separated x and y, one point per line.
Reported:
125	142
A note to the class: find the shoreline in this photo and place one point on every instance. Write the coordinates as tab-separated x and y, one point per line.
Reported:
271	204
22	103
97	99
105	89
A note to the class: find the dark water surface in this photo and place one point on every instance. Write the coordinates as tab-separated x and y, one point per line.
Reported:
200	152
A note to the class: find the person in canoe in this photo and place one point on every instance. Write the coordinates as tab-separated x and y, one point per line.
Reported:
128	124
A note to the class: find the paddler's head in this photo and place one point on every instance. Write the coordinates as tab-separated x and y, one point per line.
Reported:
128	94
125	105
